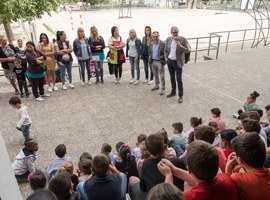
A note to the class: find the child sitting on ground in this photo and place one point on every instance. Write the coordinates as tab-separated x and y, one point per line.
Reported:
107	183
106	149
207	134
165	191
128	163
194	122
214	125
136	151
150	175
226	137
84	170
61	186
23	119
69	167
250	154
203	167
37	181
169	152
216	117
144	155
249	105
61	152
24	163
178	141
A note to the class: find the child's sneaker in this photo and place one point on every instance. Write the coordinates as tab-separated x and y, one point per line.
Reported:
131	81
119	80
64	87
116	81
89	83
137	82
235	115
46	95
145	81
55	88
150	82
50	89
39	99
71	86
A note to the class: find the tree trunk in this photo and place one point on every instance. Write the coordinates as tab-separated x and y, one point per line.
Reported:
9	32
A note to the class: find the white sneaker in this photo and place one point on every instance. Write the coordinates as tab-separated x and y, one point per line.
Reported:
116	81
55	88
150	82
137	82
50	89
235	115
119	80
46	95
89	83
39	99
131	81
71	86
82	84
145	81
64	87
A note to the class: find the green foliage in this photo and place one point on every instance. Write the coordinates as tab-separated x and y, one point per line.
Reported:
12	10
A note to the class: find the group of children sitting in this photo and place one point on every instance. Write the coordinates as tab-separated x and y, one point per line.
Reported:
207	161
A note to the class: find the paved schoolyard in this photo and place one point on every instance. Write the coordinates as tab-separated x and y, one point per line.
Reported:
86	117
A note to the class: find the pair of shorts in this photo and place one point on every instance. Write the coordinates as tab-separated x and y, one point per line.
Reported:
9	74
137	192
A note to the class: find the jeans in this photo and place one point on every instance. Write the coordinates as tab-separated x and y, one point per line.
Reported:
133	62
63	68
83	64
118	70
26	131
159	73
37	84
99	70
23	85
175	70
146	67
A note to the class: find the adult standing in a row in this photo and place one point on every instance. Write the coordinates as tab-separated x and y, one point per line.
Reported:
46	47
134	52
35	70
64	58
117	56
82	51
175	49
146	42
7	56
157	62
97	46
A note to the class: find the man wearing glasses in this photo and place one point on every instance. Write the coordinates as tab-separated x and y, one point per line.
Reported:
175	48
157	62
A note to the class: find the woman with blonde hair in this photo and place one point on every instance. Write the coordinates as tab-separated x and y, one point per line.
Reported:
83	54
133	51
97	45
48	49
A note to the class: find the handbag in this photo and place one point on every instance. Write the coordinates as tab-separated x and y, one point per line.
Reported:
66	59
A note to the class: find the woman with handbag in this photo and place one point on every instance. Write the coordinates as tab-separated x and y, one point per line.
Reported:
82	51
117	56
35	70
64	58
7	56
97	45
47	48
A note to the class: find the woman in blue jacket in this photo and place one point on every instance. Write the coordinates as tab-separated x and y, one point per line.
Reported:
83	53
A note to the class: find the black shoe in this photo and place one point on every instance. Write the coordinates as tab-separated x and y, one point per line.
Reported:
180	100
22	95
155	88
171	94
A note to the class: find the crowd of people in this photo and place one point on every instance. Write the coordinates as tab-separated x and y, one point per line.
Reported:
207	161
37	63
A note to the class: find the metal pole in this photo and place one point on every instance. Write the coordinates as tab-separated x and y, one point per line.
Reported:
196	50
218	47
209	46
228	38
244	39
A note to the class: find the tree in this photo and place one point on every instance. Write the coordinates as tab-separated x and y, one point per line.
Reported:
27	10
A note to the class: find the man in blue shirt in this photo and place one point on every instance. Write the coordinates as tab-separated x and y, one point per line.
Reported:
157	62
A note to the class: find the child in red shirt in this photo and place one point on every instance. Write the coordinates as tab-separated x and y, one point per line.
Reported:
250	155
226	137
202	167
